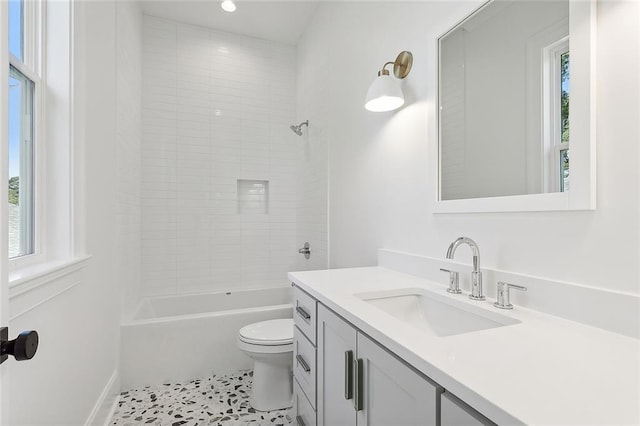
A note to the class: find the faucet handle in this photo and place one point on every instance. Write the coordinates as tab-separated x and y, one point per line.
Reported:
502	299
454	281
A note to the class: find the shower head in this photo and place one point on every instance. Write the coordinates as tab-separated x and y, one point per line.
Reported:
298	129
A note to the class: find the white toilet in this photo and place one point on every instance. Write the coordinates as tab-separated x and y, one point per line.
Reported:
270	345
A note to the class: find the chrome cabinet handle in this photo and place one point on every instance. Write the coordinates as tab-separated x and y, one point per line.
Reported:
299	421
359	390
303	363
348	375
304	314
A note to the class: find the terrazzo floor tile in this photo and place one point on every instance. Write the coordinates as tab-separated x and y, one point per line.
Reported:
217	400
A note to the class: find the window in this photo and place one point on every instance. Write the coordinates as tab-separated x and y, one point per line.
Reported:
564	121
40	165
16	38
556	114
21	208
24	81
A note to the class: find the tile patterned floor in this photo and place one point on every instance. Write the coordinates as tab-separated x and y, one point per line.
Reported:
217	400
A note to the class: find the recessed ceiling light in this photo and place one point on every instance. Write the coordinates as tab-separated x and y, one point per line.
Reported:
228	5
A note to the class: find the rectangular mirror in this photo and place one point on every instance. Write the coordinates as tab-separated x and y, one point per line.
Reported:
516	108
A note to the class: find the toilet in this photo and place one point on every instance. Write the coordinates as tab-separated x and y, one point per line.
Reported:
270	345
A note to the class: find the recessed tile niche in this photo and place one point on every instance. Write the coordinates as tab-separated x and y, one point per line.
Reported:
253	196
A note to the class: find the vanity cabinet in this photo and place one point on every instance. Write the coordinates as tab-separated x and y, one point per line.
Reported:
361	383
344	378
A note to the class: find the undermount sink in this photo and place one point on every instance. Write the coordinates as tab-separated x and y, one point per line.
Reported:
433	313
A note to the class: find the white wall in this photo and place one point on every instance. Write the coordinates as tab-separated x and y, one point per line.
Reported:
216	108
77	313
128	153
102	304
379	193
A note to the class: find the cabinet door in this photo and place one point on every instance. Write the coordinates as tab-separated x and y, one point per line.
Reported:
394	394
454	412
336	340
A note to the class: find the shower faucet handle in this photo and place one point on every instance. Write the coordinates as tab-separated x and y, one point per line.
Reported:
454	281
306	250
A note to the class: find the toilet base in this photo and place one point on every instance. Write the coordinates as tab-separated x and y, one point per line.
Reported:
272	387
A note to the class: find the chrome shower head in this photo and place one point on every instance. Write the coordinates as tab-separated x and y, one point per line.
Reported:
298	129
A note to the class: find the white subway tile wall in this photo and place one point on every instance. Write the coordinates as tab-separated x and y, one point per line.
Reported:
216	108
128	151
313	103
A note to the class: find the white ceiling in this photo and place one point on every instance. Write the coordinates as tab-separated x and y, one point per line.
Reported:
282	21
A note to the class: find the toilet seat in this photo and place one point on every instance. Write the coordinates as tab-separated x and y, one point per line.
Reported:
268	333
264	349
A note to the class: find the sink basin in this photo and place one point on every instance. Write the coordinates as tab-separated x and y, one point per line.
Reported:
433	313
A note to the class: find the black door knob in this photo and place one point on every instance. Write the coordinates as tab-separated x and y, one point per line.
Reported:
22	348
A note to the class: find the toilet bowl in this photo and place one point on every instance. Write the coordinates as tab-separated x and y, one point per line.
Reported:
270	345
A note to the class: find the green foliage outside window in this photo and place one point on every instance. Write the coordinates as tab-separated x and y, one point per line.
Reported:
564	98
14	190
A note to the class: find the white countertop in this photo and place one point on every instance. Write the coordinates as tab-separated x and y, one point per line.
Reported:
544	370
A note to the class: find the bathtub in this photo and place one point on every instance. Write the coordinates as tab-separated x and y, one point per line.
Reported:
177	338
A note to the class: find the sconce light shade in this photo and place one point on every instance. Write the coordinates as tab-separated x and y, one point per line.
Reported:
385	94
228	6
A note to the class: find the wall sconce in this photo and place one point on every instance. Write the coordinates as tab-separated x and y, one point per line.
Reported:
385	94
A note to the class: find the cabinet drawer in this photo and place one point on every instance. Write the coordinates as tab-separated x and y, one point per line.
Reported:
304	313
304	412
304	364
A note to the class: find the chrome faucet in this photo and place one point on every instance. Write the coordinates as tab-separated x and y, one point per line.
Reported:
476	275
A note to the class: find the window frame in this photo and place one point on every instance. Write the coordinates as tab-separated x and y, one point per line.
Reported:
33	68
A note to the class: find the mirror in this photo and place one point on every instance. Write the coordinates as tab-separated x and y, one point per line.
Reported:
515	107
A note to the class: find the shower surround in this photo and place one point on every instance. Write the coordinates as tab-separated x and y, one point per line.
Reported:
217	109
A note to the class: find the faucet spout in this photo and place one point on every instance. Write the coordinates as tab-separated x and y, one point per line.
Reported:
476	275
474	249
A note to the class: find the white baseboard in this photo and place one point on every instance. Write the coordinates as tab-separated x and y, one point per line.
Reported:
599	307
106	404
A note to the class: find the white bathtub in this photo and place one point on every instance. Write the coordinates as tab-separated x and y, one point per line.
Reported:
177	338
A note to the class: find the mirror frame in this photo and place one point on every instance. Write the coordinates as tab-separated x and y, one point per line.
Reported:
582	195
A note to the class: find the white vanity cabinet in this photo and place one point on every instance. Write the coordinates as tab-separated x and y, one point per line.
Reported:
343	378
361	383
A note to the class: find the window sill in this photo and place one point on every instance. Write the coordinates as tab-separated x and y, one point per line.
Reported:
30	278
